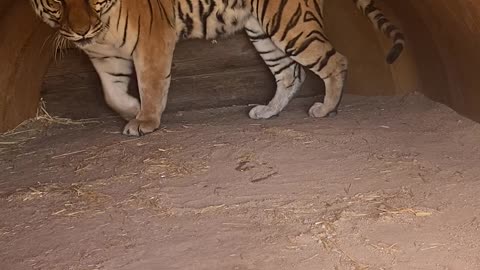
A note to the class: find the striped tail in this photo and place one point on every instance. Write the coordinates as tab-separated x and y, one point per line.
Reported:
381	22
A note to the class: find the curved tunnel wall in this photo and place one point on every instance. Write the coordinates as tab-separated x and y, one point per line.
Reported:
445	42
440	59
22	64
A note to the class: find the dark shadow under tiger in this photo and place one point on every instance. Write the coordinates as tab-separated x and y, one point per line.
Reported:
121	36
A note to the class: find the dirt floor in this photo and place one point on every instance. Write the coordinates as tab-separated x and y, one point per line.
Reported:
390	183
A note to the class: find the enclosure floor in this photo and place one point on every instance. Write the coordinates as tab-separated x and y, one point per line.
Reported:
390	183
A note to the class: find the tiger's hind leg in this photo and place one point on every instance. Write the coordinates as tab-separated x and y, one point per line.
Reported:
308	46
289	75
332	69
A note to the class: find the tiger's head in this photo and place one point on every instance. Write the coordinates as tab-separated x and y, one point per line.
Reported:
76	20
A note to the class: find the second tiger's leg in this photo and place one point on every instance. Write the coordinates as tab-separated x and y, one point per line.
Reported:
331	67
302	38
333	70
289	75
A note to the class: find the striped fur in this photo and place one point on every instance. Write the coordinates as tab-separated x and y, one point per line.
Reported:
121	36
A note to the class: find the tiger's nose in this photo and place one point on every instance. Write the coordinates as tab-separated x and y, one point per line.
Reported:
81	30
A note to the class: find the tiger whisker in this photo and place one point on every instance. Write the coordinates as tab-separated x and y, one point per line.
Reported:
48	39
60	44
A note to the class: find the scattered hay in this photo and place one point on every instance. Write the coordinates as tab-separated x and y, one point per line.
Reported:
168	166
43	115
431	246
417	213
72	200
390	249
331	246
210	208
68	154
8	143
84	193
144	200
165	167
289	133
35	192
44	118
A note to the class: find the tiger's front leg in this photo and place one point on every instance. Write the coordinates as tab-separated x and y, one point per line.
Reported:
153	61
115	73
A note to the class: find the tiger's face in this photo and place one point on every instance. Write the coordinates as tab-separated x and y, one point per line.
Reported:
76	20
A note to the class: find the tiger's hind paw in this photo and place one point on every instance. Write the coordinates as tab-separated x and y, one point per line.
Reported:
319	110
262	112
137	127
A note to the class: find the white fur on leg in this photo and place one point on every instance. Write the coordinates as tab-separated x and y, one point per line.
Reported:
288	74
120	101
115	74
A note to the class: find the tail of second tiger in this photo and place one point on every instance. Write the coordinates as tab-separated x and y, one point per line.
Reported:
381	22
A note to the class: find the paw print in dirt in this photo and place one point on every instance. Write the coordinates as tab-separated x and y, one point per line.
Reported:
256	170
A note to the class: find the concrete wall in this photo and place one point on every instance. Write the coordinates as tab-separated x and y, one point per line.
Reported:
440	59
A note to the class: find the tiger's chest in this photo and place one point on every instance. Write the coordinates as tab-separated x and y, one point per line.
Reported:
210	19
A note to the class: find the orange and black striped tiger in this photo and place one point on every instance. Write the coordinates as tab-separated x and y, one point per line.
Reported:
121	36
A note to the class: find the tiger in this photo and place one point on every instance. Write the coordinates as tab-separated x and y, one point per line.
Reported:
122	37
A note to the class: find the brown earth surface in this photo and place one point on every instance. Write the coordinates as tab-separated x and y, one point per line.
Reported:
390	183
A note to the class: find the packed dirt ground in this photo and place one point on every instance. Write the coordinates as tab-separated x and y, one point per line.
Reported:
389	183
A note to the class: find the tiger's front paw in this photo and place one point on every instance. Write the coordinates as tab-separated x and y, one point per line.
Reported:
262	112
137	127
